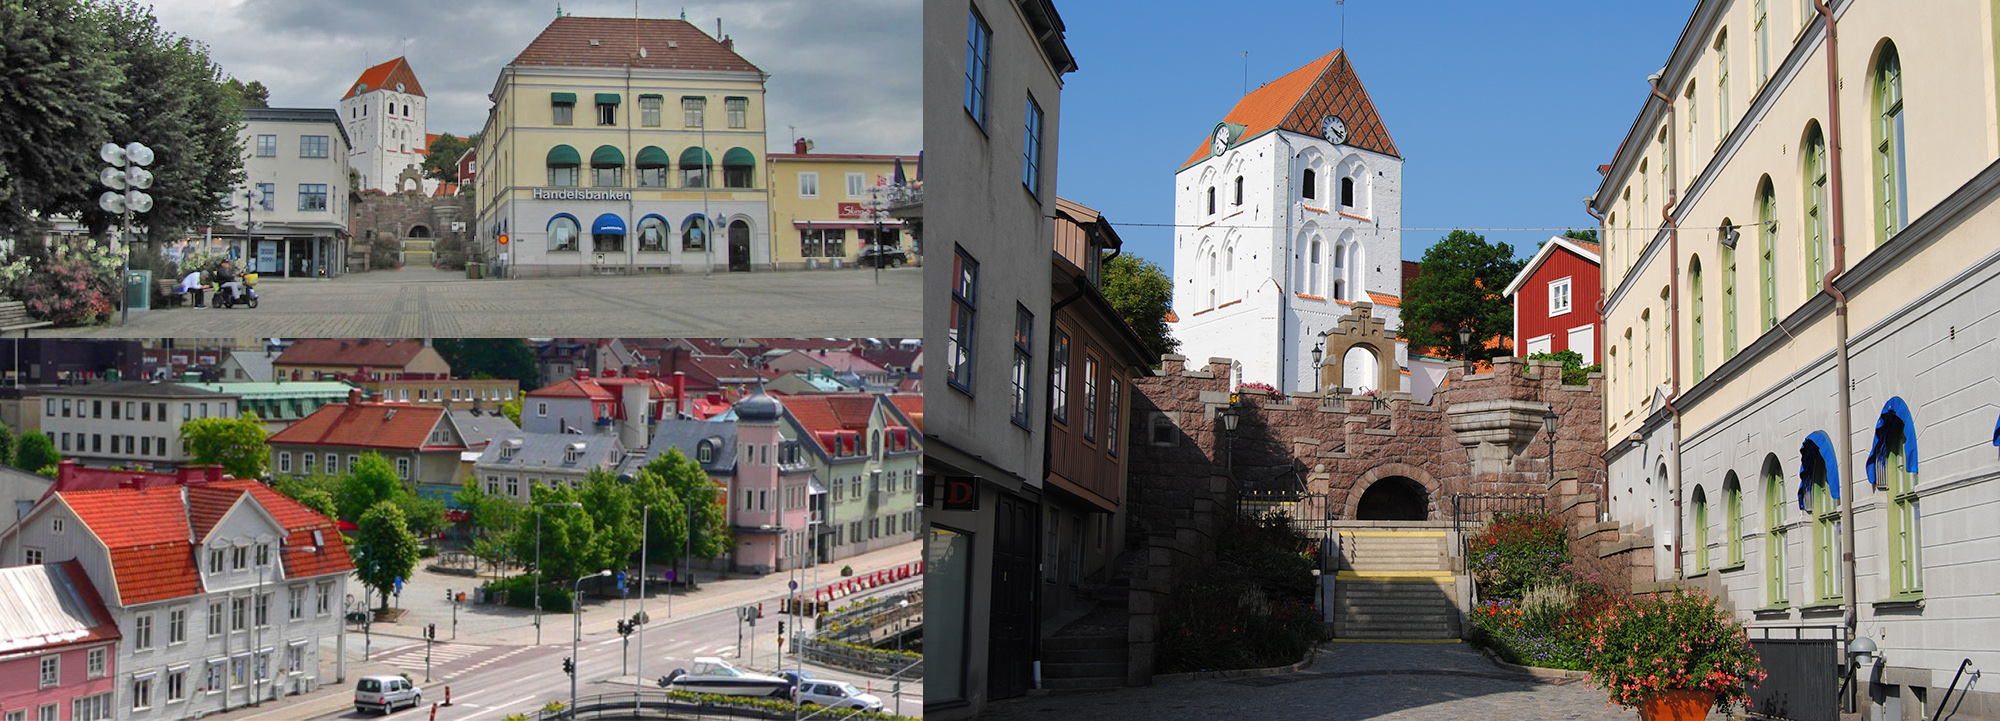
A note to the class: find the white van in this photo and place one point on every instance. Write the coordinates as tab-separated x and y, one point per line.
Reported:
386	694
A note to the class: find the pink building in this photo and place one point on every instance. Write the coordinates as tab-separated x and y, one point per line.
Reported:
58	644
770	505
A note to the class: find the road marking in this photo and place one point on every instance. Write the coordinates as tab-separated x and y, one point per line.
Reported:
608	642
497	707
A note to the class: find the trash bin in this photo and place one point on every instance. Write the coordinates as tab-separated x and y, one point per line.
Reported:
139	290
472	271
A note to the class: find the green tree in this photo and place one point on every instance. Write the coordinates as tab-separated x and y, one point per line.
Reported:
252	94
425	515
610	504
441	162
1459	286
568	534
1588	235
512	409
384	549
492	358
494	520
372	481
36	452
681	483
6	445
56	103
236	444
1142	294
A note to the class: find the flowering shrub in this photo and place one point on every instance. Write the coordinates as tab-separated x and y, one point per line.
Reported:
72	283
1683	641
1276	395
1515	551
1550	627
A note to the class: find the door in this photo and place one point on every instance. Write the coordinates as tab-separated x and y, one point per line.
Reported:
739	246
1010	649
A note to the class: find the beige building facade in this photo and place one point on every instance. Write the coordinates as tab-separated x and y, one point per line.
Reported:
820	207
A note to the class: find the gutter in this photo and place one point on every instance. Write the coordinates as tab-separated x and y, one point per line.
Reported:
1604	259
1673	312
1838	237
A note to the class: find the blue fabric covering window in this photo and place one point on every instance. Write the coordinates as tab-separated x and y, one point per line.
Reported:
1996	432
1817	454
607	224
1894	422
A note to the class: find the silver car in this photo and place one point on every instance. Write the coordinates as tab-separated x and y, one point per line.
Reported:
385	694
836	694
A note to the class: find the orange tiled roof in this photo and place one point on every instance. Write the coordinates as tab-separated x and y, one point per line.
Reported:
371	352
330	550
912	405
146	533
364	425
615	43
573	388
1388	300
1297	101
386	75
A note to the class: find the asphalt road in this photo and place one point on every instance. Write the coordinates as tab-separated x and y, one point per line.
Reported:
491	681
412	302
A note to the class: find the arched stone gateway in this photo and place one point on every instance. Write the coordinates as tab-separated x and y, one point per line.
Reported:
1396	498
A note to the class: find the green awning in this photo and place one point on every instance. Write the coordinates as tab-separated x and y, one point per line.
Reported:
562	98
696	158
738	157
653	157
607	98
654	96
606	156
563	156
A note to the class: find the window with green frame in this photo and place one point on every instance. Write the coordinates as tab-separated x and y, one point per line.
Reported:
1732	521
1775	564
1722	85
1700	531
1906	559
1815	208
1698	327
1892	209
1728	295
1826	539
1767	255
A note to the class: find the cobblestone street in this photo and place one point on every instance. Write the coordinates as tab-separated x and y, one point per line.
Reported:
416	302
1387	681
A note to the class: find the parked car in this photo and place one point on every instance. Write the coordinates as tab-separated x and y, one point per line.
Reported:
836	694
385	694
716	676
883	255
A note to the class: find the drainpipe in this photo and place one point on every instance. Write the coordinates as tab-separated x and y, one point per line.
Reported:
1673	307
1603	293
1284	246
1839	239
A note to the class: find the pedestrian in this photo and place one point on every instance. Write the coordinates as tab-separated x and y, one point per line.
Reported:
191	285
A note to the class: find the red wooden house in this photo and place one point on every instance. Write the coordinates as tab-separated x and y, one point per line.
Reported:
1555	301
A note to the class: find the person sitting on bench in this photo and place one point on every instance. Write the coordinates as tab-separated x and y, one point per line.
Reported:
191	285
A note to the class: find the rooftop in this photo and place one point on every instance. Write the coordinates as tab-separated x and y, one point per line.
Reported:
364	425
51	605
653	43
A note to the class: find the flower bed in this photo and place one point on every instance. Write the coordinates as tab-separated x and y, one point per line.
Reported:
1551	627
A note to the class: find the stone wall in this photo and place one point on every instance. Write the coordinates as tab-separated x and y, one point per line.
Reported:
381	222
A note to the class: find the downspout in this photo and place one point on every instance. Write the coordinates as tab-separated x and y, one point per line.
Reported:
1603	292
1673	310
1839	239
1284	245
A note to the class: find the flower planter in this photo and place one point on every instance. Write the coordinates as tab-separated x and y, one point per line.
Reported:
1678	704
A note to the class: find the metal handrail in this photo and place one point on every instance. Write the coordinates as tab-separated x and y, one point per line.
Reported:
1954	685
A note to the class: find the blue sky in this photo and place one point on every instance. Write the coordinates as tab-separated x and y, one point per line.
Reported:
1502	111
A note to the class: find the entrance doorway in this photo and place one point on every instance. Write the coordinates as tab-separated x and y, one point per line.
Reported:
1396	498
1011	635
739	246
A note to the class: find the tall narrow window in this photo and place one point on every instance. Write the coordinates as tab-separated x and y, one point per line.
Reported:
1059	379
1211	200
1312	269
1826	538
1239	190
1728	294
1775	566
964	311
1089	398
978	50
1893	459
1646	355
1700	545
1024	345
692	108
1732	521
1632	380
1111	421
1814	153
1767	256
1697	326
1721	85
1694	137
649	110
1892	209
1347	192
1309	185
739	111
1031	154
1763	44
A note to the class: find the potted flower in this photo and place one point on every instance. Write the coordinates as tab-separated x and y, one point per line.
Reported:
1672	657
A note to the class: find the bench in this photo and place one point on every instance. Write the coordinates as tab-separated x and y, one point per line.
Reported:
14	316
171	293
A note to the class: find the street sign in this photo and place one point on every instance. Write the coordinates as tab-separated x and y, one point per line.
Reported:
357	617
621	581
795	585
399	585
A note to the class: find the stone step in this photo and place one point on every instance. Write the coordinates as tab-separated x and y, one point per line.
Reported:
1087	655
1396	635
1084	643
1082	684
1082	670
1395	618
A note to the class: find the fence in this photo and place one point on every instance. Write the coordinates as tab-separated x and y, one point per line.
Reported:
657	705
1804	680
1475	510
881	663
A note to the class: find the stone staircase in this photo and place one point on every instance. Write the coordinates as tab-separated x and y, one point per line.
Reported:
419	252
1395	583
1093	652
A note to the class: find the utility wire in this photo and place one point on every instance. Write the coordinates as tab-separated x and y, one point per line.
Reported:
1127	224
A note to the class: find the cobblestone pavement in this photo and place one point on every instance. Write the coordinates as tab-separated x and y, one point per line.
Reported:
1391	682
416	302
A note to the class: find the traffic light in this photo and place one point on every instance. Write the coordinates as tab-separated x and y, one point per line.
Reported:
781	629
431	631
450	596
569	666
624	628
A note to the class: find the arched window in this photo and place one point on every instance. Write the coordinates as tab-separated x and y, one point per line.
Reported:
564	230
1728	294
695	163
1211	200
1611	377
653	165
1355	259
1813	150
1213	279
1347	192
739	168
1312	269
1892	209
1697	325
694	232
1767	255
1775	566
1309	185
1700	547
1239	190
1339	271
1892	467
1722	83
563	162
1816	478
653	233
607	234
1632	380
607	167
1732	521
1360	369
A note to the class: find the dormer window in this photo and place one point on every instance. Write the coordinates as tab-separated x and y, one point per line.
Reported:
704	453
573	452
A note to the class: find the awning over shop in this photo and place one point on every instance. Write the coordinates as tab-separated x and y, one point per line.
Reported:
562	98
1893	424
738	157
607	224
653	157
606	156
563	156
886	223
651	96
696	158
1817	454
607	98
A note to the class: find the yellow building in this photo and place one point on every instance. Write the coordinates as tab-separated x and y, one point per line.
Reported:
820	206
608	143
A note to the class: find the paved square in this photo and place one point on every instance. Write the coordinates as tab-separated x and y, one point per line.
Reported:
425	303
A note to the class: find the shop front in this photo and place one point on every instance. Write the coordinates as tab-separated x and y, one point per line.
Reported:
578	232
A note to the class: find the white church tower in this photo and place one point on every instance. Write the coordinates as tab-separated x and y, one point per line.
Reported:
384	113
1289	220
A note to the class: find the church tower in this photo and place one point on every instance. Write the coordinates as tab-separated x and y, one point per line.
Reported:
384	113
1288	222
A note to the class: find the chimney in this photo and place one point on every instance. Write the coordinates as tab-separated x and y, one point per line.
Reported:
353	396
728	43
583	374
680	394
632	427
799	146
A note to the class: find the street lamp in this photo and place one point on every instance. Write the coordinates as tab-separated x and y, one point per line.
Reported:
576	612
537	590
1465	346
1549	427
126	173
1318	352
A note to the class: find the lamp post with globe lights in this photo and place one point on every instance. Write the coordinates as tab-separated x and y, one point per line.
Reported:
126	173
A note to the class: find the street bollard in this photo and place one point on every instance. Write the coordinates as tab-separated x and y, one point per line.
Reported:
434	712
447	695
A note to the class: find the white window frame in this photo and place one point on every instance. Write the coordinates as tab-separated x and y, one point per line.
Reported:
50	671
1544	343
809	184
1559	289
857	185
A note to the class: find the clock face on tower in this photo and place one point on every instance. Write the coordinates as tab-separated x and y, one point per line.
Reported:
1333	128
1221	140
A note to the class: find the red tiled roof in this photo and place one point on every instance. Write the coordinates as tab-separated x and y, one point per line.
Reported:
1388	300
386	75
573	388
206	505
146	531
363	425
374	353
615	43
330	550
1297	101
912	405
